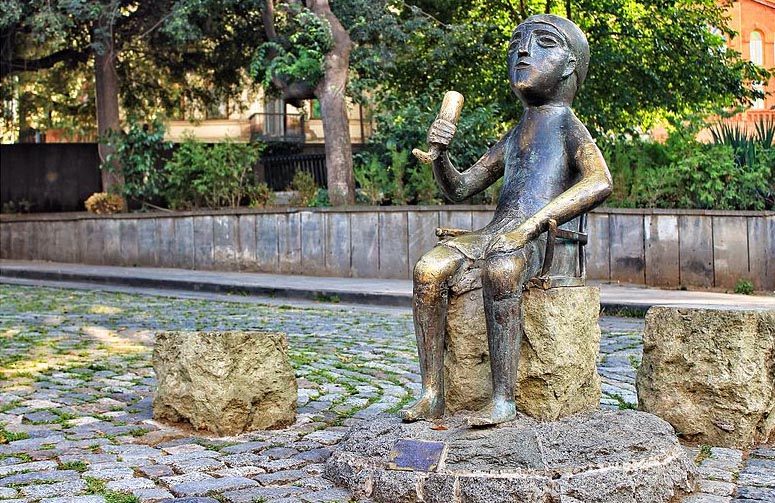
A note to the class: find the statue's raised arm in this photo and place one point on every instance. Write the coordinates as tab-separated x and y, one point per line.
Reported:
457	185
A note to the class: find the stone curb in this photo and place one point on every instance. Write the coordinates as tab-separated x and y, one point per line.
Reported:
349	297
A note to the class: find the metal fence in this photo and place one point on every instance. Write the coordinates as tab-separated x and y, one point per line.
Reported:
279	170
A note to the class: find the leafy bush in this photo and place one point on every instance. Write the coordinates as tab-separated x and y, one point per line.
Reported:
392	183
744	287
213	176
260	195
731	173
423	185
373	179
138	155
305	188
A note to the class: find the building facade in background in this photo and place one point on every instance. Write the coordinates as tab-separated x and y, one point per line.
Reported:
754	22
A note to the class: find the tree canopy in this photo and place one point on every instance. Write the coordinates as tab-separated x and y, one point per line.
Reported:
651	59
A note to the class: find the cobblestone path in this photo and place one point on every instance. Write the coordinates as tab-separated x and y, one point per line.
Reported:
75	401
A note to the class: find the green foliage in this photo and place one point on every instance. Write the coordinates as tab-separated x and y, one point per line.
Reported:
423	185
736	172
306	189
399	160
744	287
304	41
137	154
392	183
373	180
212	176
650	60
260	195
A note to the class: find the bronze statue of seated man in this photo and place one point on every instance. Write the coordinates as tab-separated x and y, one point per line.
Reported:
552	170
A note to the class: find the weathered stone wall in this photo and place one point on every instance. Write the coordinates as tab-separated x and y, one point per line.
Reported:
653	247
710	373
557	374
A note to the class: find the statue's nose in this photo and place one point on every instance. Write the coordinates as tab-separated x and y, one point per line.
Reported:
524	45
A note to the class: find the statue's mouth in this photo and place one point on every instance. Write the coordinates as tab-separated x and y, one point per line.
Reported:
522	64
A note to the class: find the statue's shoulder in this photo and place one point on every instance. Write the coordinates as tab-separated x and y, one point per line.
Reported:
576	133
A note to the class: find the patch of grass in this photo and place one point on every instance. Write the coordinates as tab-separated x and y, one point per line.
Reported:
704	454
138	432
78	466
95	486
634	362
400	404
11	436
623	312
322	297
9	406
25	458
621	402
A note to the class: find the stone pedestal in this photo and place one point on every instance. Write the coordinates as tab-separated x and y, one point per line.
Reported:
710	373
224	382
601	456
558	359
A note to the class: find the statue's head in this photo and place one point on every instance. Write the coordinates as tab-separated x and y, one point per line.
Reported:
548	59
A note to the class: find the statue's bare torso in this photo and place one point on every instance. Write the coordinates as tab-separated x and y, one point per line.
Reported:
538	161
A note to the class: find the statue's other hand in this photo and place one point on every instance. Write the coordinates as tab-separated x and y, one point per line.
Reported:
506	243
441	132
514	240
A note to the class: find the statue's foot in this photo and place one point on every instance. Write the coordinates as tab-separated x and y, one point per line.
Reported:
499	411
428	406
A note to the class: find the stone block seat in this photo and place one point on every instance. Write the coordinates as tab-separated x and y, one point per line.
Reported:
557	373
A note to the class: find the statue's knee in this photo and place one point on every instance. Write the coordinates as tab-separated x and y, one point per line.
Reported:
502	274
428	270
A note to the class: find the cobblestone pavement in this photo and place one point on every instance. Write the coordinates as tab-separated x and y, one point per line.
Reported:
75	401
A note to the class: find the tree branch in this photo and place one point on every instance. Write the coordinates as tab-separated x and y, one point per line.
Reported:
29	65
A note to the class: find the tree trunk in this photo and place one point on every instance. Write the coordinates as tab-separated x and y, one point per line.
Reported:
333	109
106	90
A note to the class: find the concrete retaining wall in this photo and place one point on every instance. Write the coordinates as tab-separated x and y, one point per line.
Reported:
654	247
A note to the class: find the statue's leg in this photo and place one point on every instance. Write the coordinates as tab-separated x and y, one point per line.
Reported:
503	277
430	308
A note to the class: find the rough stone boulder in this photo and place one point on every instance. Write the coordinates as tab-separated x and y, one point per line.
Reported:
710	373
557	373
224	382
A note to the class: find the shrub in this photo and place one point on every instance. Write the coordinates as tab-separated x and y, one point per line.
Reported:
103	203
212	176
138	155
423	185
305	188
744	287
379	182
260	195
731	173
373	180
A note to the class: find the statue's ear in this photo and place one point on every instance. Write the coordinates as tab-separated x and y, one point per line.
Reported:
569	68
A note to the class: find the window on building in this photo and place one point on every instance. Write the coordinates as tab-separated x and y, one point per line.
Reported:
756	52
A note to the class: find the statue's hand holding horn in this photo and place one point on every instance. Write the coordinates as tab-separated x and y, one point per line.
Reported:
443	128
441	133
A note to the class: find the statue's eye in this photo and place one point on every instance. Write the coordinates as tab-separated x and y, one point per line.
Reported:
548	41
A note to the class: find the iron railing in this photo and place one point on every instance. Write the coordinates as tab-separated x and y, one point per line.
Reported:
279	170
